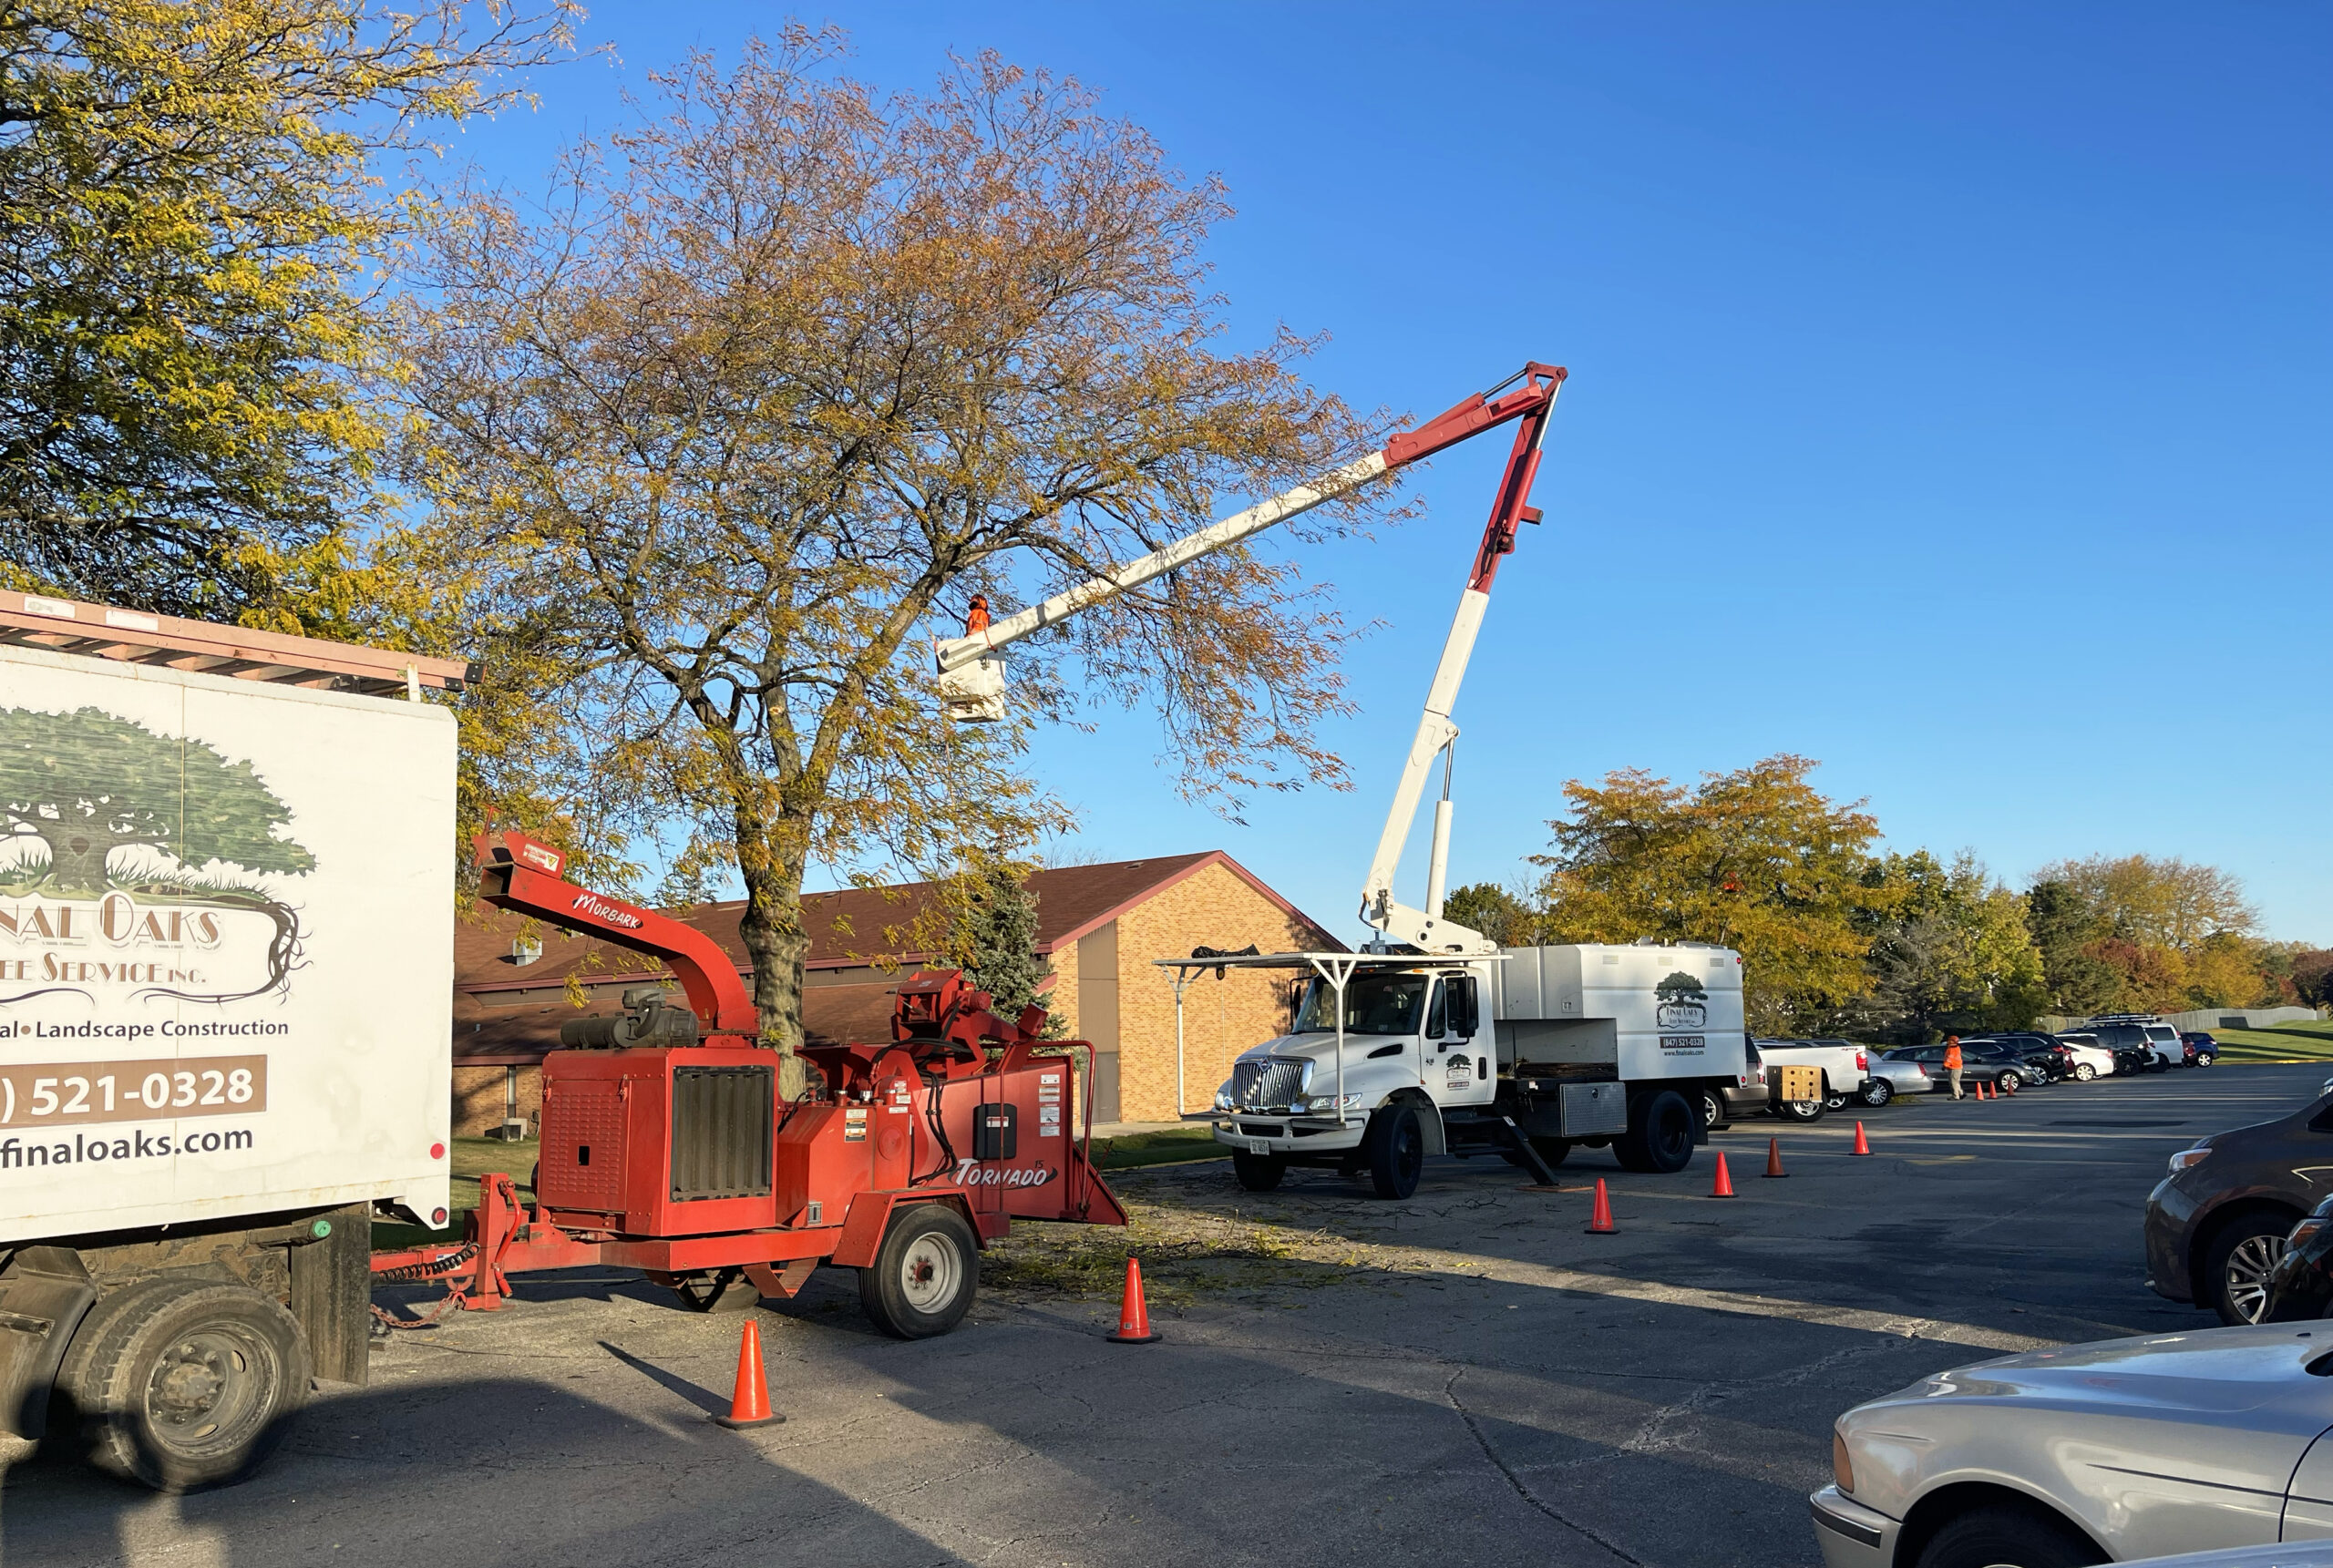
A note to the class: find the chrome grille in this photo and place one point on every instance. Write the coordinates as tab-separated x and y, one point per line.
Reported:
1267	1085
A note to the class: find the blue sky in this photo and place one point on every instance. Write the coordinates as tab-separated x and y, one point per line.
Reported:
1948	403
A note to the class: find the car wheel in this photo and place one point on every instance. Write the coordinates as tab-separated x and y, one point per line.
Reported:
1878	1092
2085	1072
1257	1173
1396	1148
2008	1080
2205	1061
1798	1110
1659	1138
2236	1266
1712	1110
925	1273
1997	1537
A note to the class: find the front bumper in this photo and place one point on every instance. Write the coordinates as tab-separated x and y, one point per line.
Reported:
1286	1136
1851	1535
2170	1221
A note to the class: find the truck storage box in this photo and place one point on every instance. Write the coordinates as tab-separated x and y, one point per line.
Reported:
225	957
1648	1011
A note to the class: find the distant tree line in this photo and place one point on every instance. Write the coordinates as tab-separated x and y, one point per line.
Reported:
1838	938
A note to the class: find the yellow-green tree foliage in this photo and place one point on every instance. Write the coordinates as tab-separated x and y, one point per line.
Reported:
2146	933
1950	950
189	203
1757	860
788	373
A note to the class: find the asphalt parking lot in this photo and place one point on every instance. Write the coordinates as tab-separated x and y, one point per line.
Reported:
1467	1375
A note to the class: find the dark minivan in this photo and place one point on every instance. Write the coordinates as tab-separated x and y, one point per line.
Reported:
2216	1224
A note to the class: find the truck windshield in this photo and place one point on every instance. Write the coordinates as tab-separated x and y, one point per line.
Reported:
1374	1004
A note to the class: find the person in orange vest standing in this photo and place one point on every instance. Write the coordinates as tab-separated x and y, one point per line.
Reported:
1952	1061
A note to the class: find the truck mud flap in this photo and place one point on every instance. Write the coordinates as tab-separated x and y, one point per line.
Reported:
44	1295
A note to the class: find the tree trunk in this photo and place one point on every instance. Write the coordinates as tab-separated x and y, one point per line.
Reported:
77	856
771	928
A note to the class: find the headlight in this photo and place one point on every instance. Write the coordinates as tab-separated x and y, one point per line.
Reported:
1325	1102
2303	1231
1223	1099
2187	1158
1842	1470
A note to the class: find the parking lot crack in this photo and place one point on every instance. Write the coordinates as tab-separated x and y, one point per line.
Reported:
1482	1441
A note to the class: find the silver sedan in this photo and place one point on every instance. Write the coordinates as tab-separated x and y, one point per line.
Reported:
2091	1453
1900	1078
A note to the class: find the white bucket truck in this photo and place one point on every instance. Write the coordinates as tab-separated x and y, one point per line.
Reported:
1527	1052
226	889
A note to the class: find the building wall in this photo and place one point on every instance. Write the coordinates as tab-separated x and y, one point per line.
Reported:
479	1094
1221	1017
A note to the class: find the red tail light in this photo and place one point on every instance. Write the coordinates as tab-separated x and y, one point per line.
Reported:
1863	1063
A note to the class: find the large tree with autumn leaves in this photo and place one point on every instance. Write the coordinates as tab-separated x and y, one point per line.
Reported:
786	373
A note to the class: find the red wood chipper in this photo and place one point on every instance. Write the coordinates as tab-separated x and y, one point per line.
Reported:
666	1148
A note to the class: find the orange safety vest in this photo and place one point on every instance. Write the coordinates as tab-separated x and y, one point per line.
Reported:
1952	1058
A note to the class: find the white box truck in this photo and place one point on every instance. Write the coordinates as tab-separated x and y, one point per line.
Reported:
1396	1056
226	890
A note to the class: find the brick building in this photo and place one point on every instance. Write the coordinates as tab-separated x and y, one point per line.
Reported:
1099	927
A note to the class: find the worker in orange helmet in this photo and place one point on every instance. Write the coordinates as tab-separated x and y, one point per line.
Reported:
976	618
1952	1061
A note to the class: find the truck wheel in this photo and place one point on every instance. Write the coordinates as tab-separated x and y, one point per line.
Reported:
1257	1172
925	1273
1660	1136
1396	1148
718	1290
183	1383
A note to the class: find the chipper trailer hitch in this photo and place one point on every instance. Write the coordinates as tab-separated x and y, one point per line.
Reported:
665	1148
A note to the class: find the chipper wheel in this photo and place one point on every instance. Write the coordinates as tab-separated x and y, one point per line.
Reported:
925	1273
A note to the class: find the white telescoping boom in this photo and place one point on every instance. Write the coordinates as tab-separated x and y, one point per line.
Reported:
971	680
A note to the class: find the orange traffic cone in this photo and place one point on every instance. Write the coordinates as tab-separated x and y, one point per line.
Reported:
749	1406
1863	1145
1133	1317
1774	1158
1984	1089
1600	1219
1723	1186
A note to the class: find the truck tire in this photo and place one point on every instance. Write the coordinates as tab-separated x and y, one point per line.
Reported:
925	1273
1257	1173
1659	1138
718	1290
182	1383
1395	1145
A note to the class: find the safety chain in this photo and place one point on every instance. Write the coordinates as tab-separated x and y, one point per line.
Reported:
415	1271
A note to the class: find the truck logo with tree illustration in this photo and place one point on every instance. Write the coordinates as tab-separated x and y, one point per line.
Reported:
132	864
1682	1001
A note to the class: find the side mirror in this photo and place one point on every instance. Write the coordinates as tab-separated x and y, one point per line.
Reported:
1466	1014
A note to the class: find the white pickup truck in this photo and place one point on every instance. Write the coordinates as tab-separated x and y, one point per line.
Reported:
1846	1068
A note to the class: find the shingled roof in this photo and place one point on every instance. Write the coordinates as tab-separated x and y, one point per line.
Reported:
506	1012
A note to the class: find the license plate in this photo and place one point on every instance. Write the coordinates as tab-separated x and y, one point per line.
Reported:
1260	1146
